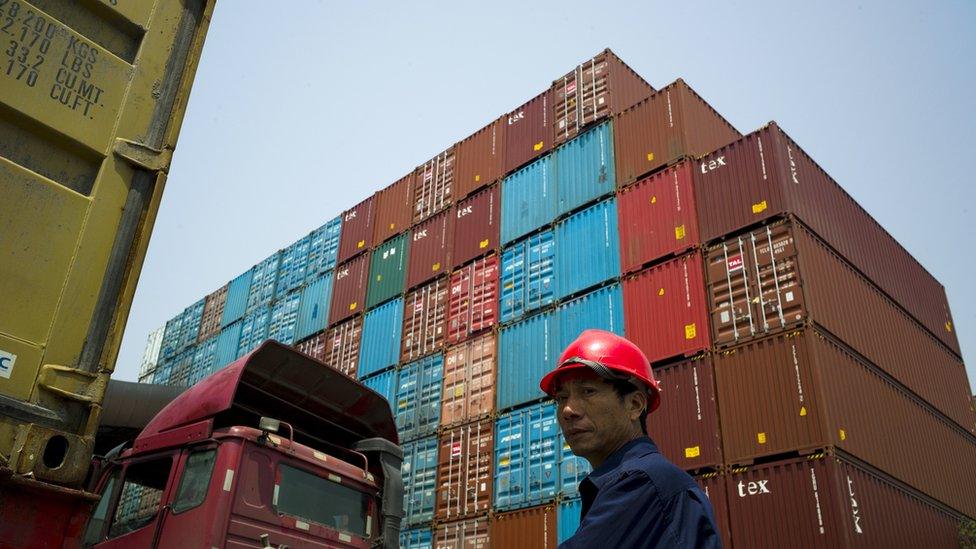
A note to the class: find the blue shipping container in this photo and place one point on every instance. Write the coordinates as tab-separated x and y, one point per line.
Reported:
254	330
228	343
172	337
190	328
284	315
590	242
313	312
294	263
602	309
526	352
263	282
572	469
419	471
568	518
204	360
323	248
417	538
418	400
585	168
527	449
385	384
380	346
237	292
528	280
528	199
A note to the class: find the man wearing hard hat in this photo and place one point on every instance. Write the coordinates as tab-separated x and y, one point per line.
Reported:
604	390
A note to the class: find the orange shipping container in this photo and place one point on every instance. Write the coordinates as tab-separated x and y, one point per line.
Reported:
469	381
480	158
685	427
474	299
424	320
534	528
432	186
213	310
393	205
463	534
464	471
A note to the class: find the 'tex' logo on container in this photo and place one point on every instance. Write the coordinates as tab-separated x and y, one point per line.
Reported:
7	364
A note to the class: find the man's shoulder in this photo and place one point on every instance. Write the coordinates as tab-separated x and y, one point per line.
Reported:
665	477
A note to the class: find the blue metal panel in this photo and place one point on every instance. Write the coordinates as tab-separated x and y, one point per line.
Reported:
172	337
323	248
568	518
584	168
419	471
418	401
527	279
263	282
191	324
602	309
587	251
528	199
572	469
380	346
163	371
385	384
204	360
292	270
237	292
527	449
526	352
417	538
284	315
182	365
313	312
254	330
228	342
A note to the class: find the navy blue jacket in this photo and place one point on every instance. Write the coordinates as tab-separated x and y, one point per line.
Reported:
637	498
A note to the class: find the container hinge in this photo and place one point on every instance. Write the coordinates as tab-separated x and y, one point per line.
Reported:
70	383
143	156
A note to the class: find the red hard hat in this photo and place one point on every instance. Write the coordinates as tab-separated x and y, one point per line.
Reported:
610	356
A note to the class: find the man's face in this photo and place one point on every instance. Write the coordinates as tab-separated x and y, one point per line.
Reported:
595	420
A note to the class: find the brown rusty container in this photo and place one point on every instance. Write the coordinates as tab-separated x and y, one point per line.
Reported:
313	346
716	488
766	174
532	528
464	471
831	503
213	310
469	381
430	248
480	158
801	391
349	289
341	346
393	210
473	303
433	185
424	320
671	124
600	87
686	427
528	132
753	292
463	534
476	225
357	230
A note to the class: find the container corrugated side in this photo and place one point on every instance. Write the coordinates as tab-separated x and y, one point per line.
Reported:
204	361
263	282
476	226
293	267
527	451
474	296
236	305
419	472
433	185
393	209
528	132
469	381
417	538
430	248
584	168
313	346
387	271
601	309
480	158
341	346
716	489
829	502
464	473
190	326
213	310
528	276
349	289
467	533
284	317
534	527
228	344
150	355
357	230
254	330
587	249
323	248
171	336
528	199
666	308
424	320
313	312
418	398
686	426
568	518
526	352
572	470
380	348
672	124
384	383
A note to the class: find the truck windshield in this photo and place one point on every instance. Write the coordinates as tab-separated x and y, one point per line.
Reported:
302	494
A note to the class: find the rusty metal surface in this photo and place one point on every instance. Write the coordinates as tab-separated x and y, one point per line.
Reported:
349	289
424	320
476	225
528	133
464	471
433	185
357	230
686	426
340	346
393	209
481	158
533	527
474	298
213	311
463	534
430	248
469	381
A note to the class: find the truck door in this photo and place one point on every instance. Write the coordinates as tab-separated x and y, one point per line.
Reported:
194	515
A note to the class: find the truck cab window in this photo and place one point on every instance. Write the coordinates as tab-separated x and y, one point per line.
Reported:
142	490
96	524
195	481
304	495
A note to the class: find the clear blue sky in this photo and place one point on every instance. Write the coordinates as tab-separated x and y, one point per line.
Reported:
298	113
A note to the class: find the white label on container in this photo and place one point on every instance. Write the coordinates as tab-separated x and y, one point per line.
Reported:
7	360
724	315
789	296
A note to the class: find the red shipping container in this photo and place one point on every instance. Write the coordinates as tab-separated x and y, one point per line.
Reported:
716	489
462	534
469	381
831	502
393	210
433	185
349	289
665	312
341	346
685	427
672	124
474	299
313	346
213	311
594	90
528	132
533	528
476	225
424	320
481	159
464	471
765	174
657	217
357	230
430	249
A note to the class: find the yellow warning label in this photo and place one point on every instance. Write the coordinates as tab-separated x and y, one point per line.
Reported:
483	244
759	207
803	411
435	267
504	461
693	452
459	391
948	326
843	434
654	199
379	277
761	437
679	232
361	243
538	146
509	285
392	226
352	306
477	178
660	292
691	331
650	157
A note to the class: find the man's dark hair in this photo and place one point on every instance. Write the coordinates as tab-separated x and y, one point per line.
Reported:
624	388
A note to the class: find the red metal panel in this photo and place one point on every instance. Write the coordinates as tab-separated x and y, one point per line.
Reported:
433	185
341	346
474	299
671	124
464	471
476	226
657	217
469	381
349	289
685	427
313	346
534	527
665	312
430	248
765	174
357	230
528	133
393	209
213	310
424	319
463	534
716	488
481	158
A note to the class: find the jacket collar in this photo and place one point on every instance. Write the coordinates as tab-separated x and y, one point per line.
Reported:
635	449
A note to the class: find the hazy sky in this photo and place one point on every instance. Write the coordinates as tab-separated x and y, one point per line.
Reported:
299	112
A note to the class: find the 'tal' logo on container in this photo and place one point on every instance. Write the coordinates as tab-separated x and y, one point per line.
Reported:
735	263
7	361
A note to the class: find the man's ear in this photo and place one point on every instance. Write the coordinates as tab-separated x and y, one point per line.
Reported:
636	404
